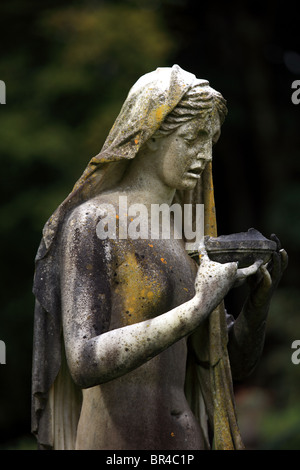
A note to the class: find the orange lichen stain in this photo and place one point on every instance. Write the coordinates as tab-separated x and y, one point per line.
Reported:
138	293
136	141
150	245
159	114
209	203
150	295
172	434
117	216
163	260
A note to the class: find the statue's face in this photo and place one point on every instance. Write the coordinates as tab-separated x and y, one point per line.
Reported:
185	153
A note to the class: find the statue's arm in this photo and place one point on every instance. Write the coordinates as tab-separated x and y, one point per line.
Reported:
96	354
246	337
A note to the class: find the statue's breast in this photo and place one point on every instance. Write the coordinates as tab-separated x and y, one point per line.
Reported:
149	278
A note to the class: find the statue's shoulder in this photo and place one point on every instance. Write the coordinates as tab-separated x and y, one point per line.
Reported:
80	228
79	224
85	215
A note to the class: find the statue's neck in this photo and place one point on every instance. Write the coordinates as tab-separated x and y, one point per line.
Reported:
142	184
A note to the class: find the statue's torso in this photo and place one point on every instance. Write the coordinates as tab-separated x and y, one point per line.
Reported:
146	408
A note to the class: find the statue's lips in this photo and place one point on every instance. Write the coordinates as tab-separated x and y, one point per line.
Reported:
195	172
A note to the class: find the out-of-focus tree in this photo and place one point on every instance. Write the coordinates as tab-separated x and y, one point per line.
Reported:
67	70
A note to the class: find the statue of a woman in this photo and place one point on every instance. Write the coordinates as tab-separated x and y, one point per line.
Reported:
126	354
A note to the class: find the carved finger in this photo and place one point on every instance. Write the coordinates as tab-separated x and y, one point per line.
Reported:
261	294
242	273
284	259
202	252
266	278
254	280
275	239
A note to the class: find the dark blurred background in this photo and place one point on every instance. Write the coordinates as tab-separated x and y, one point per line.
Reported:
67	69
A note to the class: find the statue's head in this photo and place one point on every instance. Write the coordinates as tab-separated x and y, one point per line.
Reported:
182	146
160	105
201	102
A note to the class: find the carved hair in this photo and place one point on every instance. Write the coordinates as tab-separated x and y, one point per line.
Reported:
197	102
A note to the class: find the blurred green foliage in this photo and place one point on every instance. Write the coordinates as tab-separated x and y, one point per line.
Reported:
67	69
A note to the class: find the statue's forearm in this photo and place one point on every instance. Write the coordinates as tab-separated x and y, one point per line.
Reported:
246	339
119	351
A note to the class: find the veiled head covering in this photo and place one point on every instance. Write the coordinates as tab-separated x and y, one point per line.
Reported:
149	101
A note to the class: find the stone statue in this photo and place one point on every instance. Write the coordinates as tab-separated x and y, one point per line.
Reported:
131	339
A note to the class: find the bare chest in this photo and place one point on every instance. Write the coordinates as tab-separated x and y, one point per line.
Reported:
149	278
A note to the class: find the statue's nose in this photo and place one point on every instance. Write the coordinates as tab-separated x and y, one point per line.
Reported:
207	156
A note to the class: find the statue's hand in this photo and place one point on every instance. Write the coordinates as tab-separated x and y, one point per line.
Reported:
264	282
214	280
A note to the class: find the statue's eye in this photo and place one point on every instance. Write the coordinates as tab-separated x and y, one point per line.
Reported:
201	135
190	139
